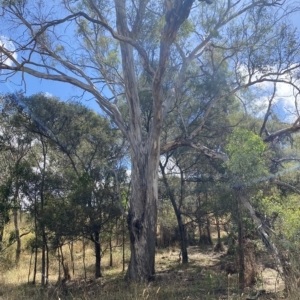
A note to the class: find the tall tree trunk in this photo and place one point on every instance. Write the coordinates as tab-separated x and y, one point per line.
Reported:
44	263
16	224
208	230
123	244
96	240
17	235
2	223
218	230
71	248
83	257
182	230
142	217
1	234
183	241
64	265
35	262
241	244
36	241
47	262
29	271
42	187
59	265
110	253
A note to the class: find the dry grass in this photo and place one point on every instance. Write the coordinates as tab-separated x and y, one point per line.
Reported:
201	279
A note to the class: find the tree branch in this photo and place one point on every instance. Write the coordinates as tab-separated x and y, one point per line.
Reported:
281	132
267	114
262	232
179	142
281	183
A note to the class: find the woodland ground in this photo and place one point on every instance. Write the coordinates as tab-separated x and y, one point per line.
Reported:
203	278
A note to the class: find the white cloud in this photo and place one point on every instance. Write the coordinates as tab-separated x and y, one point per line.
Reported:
284	99
7	44
48	95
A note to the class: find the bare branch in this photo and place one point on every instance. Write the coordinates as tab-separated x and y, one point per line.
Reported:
281	183
267	114
187	142
281	132
129	77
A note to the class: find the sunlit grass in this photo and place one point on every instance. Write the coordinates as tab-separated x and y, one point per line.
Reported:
200	279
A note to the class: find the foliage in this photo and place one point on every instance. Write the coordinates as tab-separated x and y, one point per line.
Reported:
285	212
245	151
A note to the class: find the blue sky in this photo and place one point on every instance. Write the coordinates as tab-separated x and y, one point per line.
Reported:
66	91
61	90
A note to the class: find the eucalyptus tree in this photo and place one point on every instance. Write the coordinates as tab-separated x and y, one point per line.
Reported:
80	168
246	164
106	48
15	144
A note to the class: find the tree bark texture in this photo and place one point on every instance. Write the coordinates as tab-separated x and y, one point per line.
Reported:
142	217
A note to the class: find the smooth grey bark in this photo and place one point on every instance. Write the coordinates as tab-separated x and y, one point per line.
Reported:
142	215
142	218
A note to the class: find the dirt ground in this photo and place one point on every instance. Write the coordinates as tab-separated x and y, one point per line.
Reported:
206	268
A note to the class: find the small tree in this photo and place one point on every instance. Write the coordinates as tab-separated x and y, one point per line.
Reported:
246	165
